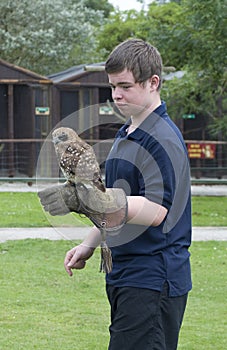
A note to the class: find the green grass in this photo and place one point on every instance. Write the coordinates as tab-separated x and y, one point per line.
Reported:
44	309
209	211
205	322
24	210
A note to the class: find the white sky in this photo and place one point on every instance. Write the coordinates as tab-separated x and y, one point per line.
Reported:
128	4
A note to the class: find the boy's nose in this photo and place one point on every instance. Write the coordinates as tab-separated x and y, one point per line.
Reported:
117	94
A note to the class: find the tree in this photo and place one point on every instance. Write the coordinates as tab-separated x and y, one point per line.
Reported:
202	34
161	26
119	27
44	36
154	25
100	5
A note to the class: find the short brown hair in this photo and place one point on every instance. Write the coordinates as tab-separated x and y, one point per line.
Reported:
138	57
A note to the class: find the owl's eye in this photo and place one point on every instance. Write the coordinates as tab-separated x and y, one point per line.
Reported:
63	137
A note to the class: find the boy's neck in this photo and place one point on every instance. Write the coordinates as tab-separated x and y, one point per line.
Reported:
138	119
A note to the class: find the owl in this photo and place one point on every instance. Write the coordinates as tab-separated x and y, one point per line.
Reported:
76	158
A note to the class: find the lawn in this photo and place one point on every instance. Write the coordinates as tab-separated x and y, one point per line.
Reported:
24	210
44	309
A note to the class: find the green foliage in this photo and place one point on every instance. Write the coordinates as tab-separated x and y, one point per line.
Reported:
100	5
201	35
199	93
180	95
154	26
119	27
42	308
162	22
42	35
205	23
218	127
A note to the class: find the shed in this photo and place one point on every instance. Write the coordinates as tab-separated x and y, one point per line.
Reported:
24	118
84	91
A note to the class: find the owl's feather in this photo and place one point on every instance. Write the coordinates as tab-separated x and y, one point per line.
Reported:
76	158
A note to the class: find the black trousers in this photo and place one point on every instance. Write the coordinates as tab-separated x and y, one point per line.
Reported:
143	319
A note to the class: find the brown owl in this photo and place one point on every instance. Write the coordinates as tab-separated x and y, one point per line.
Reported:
76	158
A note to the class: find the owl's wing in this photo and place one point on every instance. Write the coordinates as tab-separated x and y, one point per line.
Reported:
78	163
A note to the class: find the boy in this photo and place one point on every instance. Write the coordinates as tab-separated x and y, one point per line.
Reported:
150	280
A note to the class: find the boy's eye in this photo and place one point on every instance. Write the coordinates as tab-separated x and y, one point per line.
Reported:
124	87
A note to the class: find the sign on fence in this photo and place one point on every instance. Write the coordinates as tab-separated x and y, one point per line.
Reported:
188	116
42	110
201	150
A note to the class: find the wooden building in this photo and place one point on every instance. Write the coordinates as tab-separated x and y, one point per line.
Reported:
85	90
81	99
22	92
31	106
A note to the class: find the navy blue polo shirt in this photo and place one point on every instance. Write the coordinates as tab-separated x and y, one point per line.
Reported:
152	162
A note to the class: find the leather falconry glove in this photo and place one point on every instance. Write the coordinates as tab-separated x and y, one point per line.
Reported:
107	210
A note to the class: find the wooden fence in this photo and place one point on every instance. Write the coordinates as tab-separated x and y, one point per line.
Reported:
19	159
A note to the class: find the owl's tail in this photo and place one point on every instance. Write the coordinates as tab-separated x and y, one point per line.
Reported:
106	258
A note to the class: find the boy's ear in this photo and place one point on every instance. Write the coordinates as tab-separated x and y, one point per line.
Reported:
154	82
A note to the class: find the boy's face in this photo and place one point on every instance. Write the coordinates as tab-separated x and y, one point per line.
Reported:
130	98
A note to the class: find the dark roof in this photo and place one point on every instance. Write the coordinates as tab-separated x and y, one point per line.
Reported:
75	72
21	72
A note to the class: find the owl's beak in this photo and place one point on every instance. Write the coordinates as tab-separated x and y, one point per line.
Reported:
55	140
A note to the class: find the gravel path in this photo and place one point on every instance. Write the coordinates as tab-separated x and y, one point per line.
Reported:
72	234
